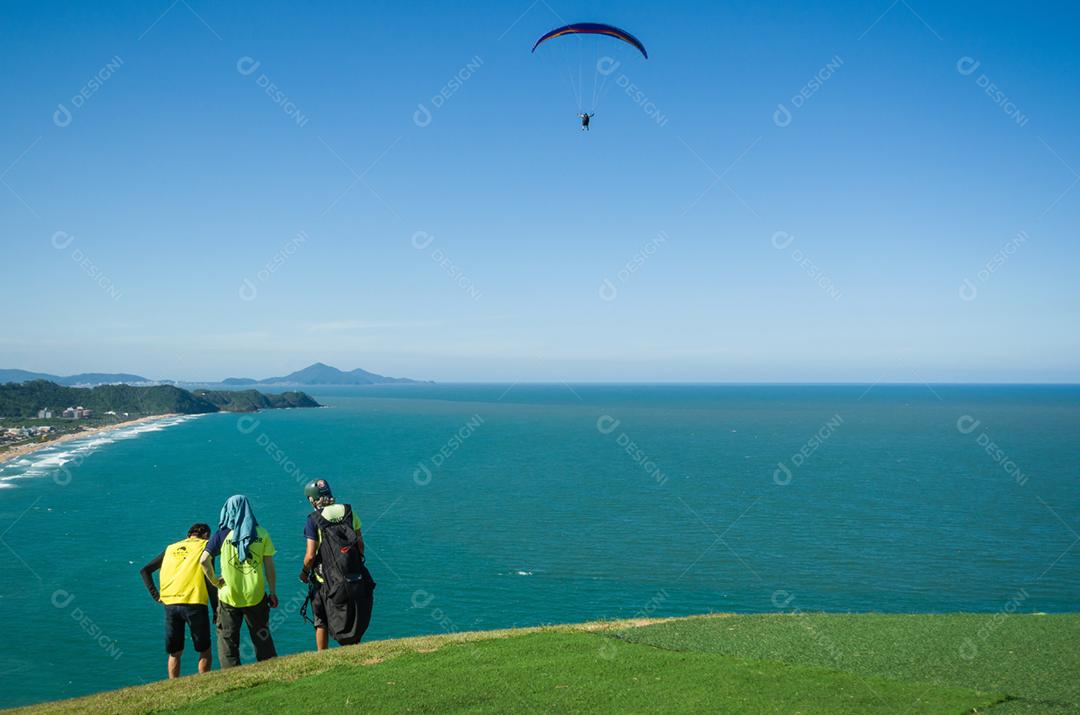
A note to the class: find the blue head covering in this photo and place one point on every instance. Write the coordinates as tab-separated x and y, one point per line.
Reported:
238	516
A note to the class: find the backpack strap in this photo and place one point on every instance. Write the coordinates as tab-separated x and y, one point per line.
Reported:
309	600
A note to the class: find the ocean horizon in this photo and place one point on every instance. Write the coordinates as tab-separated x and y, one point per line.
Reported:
495	505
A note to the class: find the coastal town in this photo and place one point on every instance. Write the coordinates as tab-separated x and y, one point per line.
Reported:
39	413
51	423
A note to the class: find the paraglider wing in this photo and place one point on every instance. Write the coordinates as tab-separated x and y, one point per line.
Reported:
593	28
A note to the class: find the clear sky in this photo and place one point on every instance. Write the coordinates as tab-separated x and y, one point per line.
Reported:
812	191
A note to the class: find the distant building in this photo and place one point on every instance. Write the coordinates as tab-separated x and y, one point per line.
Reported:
77	413
44	414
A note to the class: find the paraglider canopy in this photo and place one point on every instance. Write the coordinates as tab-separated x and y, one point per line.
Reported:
573	56
593	28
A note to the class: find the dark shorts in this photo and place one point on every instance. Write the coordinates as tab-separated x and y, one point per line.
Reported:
318	607
197	618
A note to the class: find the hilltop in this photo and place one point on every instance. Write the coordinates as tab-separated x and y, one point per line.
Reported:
771	663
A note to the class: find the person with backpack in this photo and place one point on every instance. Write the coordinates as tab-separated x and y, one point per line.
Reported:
247	589
184	592
339	585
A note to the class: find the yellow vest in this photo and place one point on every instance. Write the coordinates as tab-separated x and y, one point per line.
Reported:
182	580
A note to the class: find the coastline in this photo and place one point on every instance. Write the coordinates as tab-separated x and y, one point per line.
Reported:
25	449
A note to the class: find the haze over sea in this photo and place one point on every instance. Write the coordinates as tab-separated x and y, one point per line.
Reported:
489	506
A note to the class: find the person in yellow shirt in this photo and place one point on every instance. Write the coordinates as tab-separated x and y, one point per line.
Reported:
184	592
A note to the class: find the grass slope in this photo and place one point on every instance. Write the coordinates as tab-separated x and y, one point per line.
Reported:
737	664
1033	658
575	673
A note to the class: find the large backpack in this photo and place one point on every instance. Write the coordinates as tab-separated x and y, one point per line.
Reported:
347	584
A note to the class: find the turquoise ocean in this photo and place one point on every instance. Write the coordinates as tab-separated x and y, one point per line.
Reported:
491	506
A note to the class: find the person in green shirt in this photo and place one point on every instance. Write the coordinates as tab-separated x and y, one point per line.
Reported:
247	588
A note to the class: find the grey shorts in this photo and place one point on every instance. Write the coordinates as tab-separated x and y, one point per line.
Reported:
318	606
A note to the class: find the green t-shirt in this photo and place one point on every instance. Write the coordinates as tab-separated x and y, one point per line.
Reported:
245	581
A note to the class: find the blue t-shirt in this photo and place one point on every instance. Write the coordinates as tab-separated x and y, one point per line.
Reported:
213	546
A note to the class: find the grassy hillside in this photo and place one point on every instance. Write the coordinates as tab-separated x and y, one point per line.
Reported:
739	664
25	399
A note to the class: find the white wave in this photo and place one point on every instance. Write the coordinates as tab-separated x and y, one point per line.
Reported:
48	460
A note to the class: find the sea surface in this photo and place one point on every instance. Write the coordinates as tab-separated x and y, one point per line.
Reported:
491	506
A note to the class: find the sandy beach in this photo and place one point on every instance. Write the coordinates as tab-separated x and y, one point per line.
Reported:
25	449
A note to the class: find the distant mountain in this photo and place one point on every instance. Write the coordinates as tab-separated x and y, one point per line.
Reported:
102	378
83	378
322	374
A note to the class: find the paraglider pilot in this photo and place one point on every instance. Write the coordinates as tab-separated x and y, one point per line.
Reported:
585	121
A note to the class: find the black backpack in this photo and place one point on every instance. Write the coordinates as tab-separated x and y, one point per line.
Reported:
347	585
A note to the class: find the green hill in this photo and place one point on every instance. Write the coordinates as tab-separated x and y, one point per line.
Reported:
25	399
821	663
251	400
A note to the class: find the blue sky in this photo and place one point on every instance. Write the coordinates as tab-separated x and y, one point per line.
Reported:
149	180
